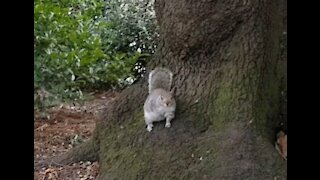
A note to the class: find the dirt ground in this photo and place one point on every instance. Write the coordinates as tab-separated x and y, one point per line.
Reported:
62	128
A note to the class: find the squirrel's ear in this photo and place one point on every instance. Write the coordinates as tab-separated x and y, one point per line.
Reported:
173	91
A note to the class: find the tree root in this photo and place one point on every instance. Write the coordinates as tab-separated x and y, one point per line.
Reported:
87	151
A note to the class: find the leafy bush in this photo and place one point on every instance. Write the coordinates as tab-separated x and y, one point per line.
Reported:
135	24
81	44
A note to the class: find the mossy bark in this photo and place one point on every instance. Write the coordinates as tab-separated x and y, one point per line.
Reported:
225	56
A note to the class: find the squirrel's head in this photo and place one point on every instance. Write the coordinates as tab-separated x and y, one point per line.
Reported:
167	100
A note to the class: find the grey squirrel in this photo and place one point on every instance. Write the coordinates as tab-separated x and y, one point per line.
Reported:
160	103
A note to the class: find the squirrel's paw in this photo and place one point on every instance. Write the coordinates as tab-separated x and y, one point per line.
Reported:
149	128
168	125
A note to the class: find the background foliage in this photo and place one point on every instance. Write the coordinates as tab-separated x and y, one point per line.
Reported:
82	45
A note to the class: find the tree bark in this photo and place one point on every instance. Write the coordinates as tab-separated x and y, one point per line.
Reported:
225	55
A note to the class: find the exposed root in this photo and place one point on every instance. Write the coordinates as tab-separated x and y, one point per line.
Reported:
87	151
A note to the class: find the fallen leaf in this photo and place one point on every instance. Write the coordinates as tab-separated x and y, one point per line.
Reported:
281	144
42	127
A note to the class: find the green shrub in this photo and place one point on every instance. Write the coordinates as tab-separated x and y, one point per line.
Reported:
84	44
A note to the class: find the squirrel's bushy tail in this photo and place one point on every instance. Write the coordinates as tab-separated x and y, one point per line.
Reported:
160	78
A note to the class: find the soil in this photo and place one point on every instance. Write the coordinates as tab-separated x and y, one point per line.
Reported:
63	127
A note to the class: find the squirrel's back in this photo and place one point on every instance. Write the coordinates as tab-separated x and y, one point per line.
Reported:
160	78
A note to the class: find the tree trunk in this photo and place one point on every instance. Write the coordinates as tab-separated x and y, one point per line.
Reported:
225	55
